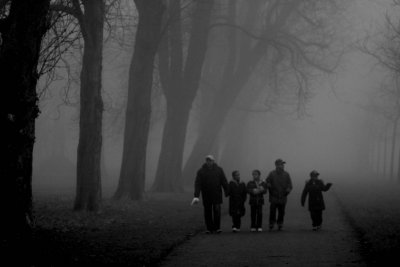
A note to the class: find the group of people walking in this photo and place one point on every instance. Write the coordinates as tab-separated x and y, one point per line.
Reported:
211	181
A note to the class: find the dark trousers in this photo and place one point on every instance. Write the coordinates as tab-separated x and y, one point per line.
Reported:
256	216
212	216
236	221
316	217
272	213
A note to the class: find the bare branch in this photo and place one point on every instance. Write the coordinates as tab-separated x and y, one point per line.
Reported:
3	3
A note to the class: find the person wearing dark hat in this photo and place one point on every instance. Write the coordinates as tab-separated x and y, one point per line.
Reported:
210	181
279	185
314	188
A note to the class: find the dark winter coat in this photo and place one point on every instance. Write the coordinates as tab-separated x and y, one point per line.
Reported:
209	182
237	196
279	186
314	189
256	199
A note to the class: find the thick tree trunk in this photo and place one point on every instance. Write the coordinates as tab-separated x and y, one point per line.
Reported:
180	92
169	171
88	189
132	176
211	128
21	33
230	89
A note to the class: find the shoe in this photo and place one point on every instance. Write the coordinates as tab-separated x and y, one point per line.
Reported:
207	232
280	227
234	229
318	227
253	230
259	230
315	228
218	231
237	229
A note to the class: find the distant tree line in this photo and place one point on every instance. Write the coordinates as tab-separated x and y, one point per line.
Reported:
384	102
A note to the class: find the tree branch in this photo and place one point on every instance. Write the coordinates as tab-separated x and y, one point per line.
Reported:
80	17
3	3
58	7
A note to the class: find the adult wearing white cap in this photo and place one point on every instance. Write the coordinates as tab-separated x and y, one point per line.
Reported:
210	181
279	185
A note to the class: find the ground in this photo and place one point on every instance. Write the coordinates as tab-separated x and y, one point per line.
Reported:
361	228
296	245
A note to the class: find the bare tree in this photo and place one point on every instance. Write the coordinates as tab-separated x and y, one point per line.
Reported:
386	50
148	36
289	29
180	81
22	29
90	15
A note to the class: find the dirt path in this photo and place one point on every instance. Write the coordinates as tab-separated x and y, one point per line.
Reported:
296	245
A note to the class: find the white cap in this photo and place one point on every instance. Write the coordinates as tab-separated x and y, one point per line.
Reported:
210	157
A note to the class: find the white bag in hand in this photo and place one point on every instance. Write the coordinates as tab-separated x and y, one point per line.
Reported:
194	201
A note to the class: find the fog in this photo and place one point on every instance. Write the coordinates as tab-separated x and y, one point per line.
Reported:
331	131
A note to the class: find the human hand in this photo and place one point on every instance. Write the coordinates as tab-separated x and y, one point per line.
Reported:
195	201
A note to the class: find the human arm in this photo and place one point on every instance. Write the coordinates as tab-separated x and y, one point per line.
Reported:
268	182
244	192
289	186
224	183
250	188
326	187
263	189
197	188
304	195
197	185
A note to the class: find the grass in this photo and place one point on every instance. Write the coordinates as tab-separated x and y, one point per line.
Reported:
142	233
373	209
122	234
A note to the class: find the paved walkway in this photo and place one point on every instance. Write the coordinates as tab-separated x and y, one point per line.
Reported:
296	245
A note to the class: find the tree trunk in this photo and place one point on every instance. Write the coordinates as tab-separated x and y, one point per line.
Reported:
378	157
393	148
398	169
88	189
180	95
385	155
132	175
169	171
222	104
21	33
249	58
229	73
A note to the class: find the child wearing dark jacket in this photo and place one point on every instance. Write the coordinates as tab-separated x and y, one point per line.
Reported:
256	189
237	196
314	188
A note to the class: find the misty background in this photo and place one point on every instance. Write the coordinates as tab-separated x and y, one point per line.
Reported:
333	130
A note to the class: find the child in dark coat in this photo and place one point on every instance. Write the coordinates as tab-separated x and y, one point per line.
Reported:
314	188
256	189
237	196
